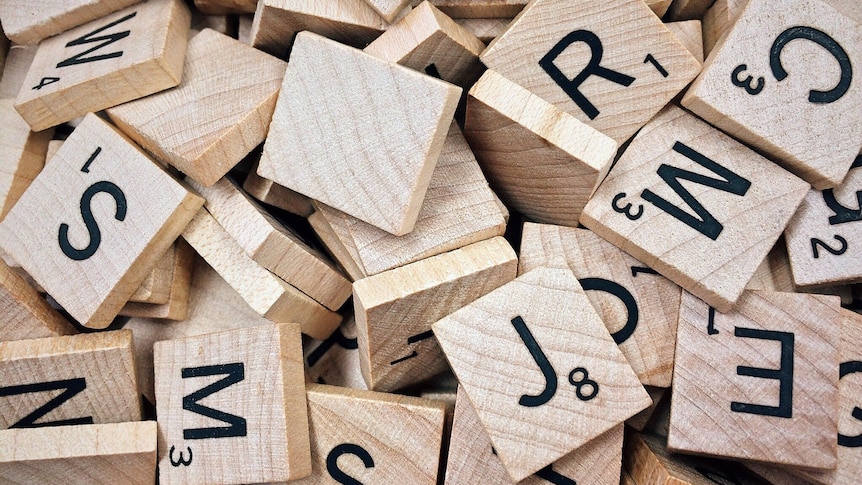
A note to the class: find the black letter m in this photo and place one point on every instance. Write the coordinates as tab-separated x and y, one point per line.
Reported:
104	39
237	425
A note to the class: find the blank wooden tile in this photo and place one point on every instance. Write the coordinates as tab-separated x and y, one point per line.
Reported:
276	23
156	286
755	87
271	193
395	309
659	7
111	241
94	372
252	425
688	9
270	296
24	154
217	114
177	305
18	62
690	34
222	7
339	244
533	334
375	171
28	22
392	438
472	459
274	246
733	206
758	383
639	307
26	315
428	41
119	453
824	234
485	30
718	20
542	162
481	8
335	361
141	52
646	459
620	86
388	9
459	209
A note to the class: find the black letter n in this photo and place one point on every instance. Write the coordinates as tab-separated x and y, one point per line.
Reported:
237	425
104	39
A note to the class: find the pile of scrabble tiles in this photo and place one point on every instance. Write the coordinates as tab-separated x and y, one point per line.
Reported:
440	242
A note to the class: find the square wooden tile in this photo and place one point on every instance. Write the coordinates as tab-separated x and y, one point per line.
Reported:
27	22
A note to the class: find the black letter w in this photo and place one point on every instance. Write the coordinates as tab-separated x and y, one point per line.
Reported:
237	425
104	39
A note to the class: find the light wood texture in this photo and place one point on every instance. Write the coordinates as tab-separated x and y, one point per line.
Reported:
758	382
27	22
156	286
277	22
222	7
395	309
274	246
849	467
213	306
542	162
690	34
808	133
53	148
388	9
24	154
244	29
377	172
275	195
262	435
535	332
336	243
428	41
639	421
646	458
335	361
645	208
485	30
688	9
459	209
4	48
111	241
218	113
269	295
26	315
605	38
659	7
639	308
94	372
718	20
401	435
119	453
775	475
141	52
822	236
18	62
177	305
484	9
471	459
222	23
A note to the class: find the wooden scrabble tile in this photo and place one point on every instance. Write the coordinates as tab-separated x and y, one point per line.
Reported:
213	306
337	243
768	368
472	459
156	286
639	307
690	34
659	7
775	475
388	9
119	453
26	315
688	9
485	30
522	333
849	467
718	19
53	148
277	22
392	438
271	193
484	9
18	62
24	154
223	7
620	86
252	426
459	209
733	207
755	87
823	234
849	8
646	459
377	172
639	421
28	22
395	309
217	114
70	78
95	372
177	305
429	41
270	296
274	246
542	162
335	361
89	263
